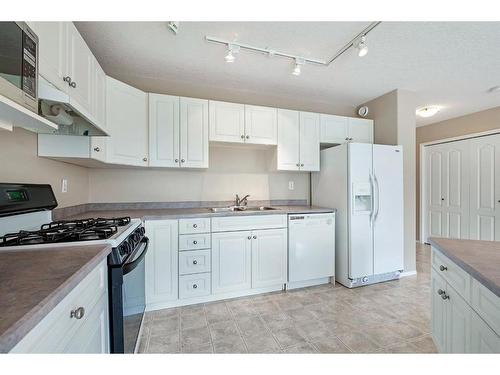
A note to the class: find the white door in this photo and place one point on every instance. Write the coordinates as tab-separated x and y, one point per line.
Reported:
388	246
99	96
360	130
435	191
288	140
485	188
227	122
52	48
438	307
269	257
127	123
161	261
334	129
194	133
309	141
458	323
360	209
164	131
80	69
231	261
261	125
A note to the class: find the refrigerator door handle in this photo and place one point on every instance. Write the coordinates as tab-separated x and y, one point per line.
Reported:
375	215
372	213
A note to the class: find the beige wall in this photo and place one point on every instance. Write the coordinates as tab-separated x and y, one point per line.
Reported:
233	170
459	126
394	124
19	163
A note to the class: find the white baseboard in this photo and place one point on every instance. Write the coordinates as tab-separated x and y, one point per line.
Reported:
407	273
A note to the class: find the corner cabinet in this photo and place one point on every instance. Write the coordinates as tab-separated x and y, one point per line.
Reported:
298	141
127	124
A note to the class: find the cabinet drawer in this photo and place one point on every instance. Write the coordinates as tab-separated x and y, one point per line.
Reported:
56	330
197	285
194	241
458	279
486	304
189	226
196	261
235	223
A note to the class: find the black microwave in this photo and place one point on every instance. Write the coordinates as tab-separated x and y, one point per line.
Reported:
19	64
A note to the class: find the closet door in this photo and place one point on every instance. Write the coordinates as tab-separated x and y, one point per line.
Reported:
435	191
485	188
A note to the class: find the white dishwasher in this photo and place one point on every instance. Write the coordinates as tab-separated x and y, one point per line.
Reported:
311	249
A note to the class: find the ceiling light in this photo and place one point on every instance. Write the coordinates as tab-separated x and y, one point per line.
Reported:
297	68
231	50
361	46
428	111
494	89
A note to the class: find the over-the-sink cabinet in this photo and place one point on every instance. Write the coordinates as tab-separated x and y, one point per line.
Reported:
178	131
298	140
241	123
340	129
127	124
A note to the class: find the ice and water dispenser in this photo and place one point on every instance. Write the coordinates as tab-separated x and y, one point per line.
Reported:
362	195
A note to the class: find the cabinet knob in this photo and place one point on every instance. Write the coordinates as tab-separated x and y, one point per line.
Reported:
347	138
445	296
249	237
176	160
97	149
247	137
443	268
254	237
442	198
73	84
301	165
144	159
298	164
195	286
242	136
195	262
195	226
441	291
182	160
195	242
67	79
77	313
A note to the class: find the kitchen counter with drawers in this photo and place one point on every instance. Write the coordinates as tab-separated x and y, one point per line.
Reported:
34	282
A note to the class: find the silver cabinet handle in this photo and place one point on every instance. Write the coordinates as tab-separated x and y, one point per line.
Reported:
73	84
301	165
249	237
77	313
176	160
195	226
443	268
441	291
445	296
182	160
67	79
195	242
347	138
242	136
247	137
97	149
195	262
195	286
254	237
298	164
144	159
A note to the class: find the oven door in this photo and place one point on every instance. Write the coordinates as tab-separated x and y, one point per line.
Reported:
127	300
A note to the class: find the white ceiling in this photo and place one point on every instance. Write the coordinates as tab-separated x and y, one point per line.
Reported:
452	64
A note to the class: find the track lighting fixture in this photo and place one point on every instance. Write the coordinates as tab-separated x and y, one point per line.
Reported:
231	50
297	68
361	46
174	26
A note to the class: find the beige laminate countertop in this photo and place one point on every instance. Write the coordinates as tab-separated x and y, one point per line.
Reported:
180	213
33	282
480	259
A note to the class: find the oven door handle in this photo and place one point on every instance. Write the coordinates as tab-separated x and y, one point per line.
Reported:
129	267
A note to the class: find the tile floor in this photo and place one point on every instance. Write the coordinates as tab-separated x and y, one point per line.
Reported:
392	317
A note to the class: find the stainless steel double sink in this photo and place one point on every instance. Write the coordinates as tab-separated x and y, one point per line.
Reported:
242	208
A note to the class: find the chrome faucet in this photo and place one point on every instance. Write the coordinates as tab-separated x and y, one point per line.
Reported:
243	201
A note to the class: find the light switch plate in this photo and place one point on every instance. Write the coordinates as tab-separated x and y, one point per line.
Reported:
291	185
64	185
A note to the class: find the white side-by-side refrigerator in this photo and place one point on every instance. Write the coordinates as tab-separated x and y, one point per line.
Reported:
364	182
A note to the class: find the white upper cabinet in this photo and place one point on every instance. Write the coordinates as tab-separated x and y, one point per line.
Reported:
178	132
99	95
298	140
309	141
227	122
127	124
261	125
193	133
360	130
164	130
334	129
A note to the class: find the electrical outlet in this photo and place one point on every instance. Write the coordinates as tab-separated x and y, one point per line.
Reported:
291	185
64	185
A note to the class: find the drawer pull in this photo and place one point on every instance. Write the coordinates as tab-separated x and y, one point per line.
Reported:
195	286
195	242
249	237
77	313
195	226
445	296
443	268
441	292
254	237
195	261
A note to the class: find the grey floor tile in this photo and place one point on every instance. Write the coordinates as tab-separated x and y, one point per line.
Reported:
424	344
289	337
277	321
358	342
163	344
252	326
330	344
165	326
301	314
225	330
195	320
303	348
197	348
195	336
264	343
230	346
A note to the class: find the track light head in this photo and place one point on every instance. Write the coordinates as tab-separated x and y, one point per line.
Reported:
173	26
298	64
361	46
232	49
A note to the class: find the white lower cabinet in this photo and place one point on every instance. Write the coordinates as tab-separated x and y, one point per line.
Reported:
269	257
483	338
196	285
231	261
161	261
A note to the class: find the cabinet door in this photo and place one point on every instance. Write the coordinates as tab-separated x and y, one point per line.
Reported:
458	323
438	312
261	125
485	188
164	131
333	129
194	133
127	121
52	49
99	97
227	122
80	69
161	261
483	338
288	140
360	130
231	261
309	141
269	257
